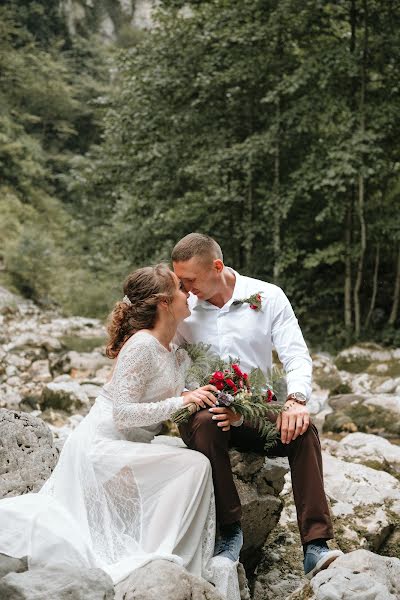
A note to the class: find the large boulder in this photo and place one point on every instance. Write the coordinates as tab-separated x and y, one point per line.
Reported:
369	413
81	364
259	481
166	580
365	507
27	453
365	503
9	564
325	373
359	575
64	395
367	449
57	584
359	358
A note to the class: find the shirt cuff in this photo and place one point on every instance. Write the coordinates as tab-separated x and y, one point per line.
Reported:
238	423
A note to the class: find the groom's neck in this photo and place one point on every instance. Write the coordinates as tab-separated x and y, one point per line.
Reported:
225	290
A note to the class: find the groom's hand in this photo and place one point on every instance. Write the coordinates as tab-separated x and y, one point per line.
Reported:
224	417
293	421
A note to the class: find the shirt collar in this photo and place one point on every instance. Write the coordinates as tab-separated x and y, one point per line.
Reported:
239	292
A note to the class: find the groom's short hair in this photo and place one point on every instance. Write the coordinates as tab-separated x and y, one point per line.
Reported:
196	244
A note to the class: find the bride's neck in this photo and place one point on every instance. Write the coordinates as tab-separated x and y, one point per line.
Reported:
164	331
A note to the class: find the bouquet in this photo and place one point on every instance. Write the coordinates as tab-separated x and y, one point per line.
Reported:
249	395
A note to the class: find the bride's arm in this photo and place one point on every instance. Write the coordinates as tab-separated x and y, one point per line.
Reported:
135	367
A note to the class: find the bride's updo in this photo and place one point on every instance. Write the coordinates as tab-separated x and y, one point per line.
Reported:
143	289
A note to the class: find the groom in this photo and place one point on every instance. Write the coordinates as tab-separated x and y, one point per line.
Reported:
239	330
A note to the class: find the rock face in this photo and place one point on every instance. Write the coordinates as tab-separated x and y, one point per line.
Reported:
165	579
57	584
259	482
365	503
105	19
64	395
27	453
369	413
369	450
359	575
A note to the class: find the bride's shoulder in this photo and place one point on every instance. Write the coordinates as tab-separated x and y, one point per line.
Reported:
182	356
139	343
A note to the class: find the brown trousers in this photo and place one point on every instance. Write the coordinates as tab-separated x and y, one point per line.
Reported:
304	453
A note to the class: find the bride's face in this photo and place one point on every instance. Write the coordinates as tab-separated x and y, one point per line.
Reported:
179	304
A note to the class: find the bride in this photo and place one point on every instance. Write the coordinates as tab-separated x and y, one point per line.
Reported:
115	500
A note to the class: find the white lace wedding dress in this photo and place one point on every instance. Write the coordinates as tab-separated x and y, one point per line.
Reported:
115	500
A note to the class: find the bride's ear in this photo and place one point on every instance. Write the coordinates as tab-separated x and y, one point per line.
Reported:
164	304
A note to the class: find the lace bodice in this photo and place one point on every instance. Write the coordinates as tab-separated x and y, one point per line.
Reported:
147	382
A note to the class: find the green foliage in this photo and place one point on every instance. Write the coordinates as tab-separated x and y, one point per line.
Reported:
253	121
244	120
48	119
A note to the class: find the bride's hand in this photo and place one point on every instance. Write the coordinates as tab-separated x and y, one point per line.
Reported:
203	396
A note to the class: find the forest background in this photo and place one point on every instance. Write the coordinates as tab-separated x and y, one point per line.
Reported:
271	125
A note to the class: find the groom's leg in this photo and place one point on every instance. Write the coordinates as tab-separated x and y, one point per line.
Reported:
201	433
305	461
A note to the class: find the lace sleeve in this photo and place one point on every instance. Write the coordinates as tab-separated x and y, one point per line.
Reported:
135	368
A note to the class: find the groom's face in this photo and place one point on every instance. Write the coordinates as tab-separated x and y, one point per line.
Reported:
198	277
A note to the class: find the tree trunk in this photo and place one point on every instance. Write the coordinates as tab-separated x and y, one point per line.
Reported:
248	221
348	304
361	184
396	296
374	286
276	194
348	321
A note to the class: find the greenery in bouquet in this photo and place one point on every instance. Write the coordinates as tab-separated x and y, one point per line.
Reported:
248	394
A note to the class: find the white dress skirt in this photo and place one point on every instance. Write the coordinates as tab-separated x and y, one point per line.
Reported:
116	500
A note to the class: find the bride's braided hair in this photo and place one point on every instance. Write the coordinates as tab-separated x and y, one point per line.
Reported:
145	288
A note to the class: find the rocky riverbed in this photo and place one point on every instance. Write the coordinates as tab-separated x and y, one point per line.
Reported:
51	370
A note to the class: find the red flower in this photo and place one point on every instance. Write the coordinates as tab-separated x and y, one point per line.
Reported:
245	376
218	376
258	297
219	385
237	370
269	396
231	384
254	306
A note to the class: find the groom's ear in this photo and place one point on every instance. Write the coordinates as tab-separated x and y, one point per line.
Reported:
218	265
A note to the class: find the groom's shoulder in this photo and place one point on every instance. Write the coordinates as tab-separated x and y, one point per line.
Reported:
254	285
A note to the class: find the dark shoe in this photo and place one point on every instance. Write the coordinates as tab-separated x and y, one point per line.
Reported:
318	557
230	543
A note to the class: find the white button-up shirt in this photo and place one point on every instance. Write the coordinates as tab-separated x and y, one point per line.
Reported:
239	331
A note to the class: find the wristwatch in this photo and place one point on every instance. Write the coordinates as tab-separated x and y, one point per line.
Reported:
297	397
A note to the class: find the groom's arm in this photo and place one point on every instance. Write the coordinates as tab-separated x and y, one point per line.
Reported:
291	347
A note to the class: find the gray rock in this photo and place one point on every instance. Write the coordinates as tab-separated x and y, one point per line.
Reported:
27	453
363	502
359	575
369	413
166	580
40	371
325	373
64	395
9	396
29	340
259	496
367	449
82	364
9	564
57	584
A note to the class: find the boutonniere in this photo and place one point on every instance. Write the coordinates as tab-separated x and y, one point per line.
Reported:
254	301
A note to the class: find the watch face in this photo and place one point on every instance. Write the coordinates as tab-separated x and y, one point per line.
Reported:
299	397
